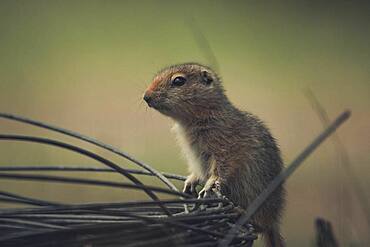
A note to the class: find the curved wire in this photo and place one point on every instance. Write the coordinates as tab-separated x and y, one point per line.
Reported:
85	181
114	205
65	168
92	141
28	200
88	154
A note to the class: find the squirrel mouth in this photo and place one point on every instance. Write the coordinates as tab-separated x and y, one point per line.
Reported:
155	104
152	104
159	107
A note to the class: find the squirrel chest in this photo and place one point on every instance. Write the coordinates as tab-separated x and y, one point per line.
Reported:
195	151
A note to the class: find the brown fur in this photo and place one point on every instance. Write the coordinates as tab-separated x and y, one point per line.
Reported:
224	146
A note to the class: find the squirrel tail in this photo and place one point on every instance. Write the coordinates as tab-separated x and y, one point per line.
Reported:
273	238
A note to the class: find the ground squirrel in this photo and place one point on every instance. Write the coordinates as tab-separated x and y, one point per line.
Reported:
225	147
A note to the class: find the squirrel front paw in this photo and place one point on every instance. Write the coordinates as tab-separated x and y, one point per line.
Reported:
212	188
190	185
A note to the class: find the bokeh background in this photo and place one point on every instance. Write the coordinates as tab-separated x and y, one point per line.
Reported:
84	65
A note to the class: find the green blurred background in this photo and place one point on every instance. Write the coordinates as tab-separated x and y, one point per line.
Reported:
84	65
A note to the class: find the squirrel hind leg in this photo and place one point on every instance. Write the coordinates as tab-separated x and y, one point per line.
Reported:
273	238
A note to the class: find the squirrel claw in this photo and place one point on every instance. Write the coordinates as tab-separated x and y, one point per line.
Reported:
211	191
204	193
190	187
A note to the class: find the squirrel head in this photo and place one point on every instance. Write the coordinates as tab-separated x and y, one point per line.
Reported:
186	91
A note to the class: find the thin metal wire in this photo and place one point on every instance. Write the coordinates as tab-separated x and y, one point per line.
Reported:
182	222
32	223
17	201
85	181
119	205
88	154
66	168
92	141
29	200
278	180
171	221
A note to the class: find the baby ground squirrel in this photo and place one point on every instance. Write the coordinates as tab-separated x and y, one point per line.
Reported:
226	148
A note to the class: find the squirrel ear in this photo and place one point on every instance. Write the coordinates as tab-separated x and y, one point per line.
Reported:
206	77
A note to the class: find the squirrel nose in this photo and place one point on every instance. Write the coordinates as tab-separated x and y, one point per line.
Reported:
147	98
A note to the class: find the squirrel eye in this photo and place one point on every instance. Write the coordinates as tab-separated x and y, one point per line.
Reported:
179	81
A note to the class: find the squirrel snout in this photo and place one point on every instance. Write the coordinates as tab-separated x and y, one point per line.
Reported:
148	98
